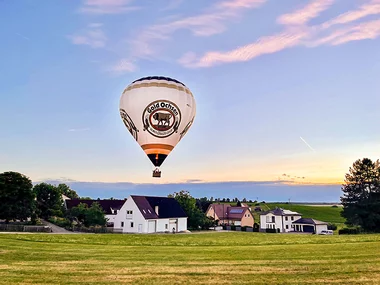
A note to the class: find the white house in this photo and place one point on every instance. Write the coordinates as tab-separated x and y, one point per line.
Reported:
278	219
146	214
309	226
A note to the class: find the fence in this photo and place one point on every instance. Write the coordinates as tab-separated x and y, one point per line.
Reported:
23	228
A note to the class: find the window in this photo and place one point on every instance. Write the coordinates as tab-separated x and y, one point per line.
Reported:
166	226
286	218
129	214
286	227
273	219
149	211
245	215
249	215
122	224
144	211
131	224
292	218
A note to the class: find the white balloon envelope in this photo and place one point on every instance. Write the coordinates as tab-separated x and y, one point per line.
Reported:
157	111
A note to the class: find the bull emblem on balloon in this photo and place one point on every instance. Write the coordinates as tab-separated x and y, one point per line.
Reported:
163	119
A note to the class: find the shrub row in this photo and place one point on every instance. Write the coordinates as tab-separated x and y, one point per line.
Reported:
349	231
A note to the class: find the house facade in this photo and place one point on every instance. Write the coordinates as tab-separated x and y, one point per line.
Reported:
278	219
308	225
147	214
230	215
110	207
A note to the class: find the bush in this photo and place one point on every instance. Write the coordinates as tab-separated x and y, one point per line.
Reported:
349	231
334	206
61	222
332	227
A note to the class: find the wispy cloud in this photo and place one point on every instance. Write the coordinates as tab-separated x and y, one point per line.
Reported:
362	31
212	21
123	66
297	33
371	8
93	36
107	6
79	130
264	45
305	14
173	4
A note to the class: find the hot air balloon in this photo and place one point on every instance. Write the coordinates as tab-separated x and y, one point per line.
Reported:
157	111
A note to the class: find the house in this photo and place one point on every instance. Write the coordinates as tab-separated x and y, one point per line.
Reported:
231	215
110	207
146	214
279	219
309	225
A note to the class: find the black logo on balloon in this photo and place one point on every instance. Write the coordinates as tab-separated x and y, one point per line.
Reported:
161	118
129	123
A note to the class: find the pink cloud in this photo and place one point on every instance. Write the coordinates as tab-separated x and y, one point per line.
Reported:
372	8
363	31
107	6
211	22
264	45
309	36
305	14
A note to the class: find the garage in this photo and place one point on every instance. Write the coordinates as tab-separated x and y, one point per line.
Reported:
152	226
308	229
308	225
173	224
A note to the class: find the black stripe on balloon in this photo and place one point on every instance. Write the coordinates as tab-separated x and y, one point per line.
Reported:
159	78
157	159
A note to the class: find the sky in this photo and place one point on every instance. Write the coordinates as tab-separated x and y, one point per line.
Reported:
287	92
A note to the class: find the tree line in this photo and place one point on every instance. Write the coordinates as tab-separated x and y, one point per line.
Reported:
21	201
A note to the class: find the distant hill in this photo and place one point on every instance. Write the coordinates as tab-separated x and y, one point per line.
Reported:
319	212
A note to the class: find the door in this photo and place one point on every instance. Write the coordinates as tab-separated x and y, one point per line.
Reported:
173	224
140	228
152	226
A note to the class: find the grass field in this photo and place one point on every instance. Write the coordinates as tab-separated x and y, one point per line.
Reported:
204	258
322	213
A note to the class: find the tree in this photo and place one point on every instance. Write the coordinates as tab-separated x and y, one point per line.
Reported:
88	216
67	191
361	195
16	196
196	218
95	216
49	200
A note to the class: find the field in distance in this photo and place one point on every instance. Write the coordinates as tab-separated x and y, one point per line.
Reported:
204	258
322	213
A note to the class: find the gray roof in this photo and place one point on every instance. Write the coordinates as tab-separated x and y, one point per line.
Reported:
309	221
280	212
167	207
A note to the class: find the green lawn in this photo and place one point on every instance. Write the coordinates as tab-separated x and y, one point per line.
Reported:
204	258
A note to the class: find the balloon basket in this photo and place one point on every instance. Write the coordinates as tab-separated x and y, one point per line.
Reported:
156	173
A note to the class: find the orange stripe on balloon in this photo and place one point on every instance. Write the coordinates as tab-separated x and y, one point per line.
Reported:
157	148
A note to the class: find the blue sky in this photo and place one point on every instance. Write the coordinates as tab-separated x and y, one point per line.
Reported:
285	90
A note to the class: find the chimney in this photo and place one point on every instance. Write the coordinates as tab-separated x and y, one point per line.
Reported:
156	209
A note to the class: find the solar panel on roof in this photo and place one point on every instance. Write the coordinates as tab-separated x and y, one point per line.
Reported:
236	211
